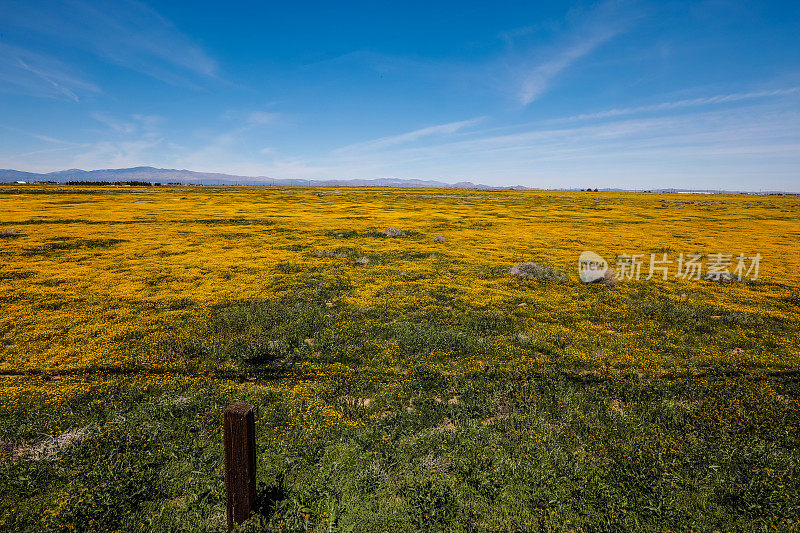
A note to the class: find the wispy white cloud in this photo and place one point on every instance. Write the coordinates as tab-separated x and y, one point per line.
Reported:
411	136
53	140
262	118
124	141
27	72
231	148
115	154
535	70
127	33
116	125
712	148
690	102
146	126
696	134
525	69
538	80
140	140
89	155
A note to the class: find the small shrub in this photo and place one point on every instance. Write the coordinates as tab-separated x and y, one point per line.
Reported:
533	270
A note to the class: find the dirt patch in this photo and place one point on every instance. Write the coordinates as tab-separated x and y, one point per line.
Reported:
353	401
45	449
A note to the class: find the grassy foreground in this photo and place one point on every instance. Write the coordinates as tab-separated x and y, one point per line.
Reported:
402	383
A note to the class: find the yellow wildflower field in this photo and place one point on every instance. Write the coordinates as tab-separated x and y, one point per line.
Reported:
89	269
172	289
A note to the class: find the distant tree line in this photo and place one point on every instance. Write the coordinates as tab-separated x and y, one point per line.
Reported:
133	183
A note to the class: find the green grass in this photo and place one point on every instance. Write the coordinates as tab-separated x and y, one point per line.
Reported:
547	452
63	244
550	448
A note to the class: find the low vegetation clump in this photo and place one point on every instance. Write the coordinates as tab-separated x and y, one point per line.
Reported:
403	382
534	270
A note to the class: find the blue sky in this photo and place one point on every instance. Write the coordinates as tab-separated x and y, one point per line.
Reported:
630	94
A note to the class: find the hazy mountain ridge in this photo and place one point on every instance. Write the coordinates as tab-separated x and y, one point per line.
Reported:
190	177
163	175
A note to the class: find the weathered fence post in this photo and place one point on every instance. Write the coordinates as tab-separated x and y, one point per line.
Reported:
240	462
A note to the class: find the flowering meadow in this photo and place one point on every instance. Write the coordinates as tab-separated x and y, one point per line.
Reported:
404	380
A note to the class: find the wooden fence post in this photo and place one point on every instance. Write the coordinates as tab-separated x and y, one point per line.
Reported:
240	462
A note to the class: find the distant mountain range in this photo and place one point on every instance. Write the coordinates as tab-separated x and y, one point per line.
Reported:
164	175
190	177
